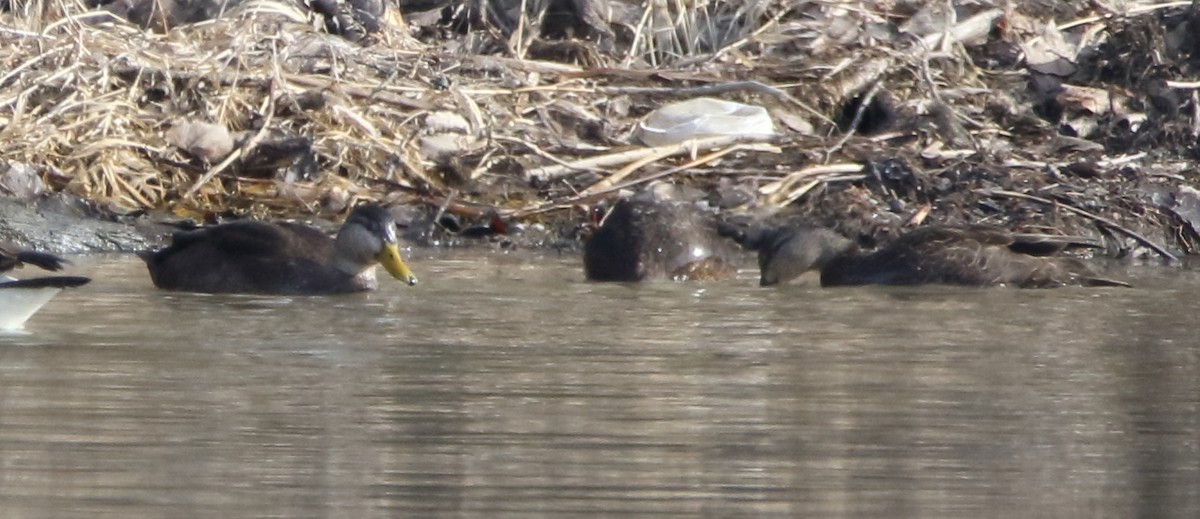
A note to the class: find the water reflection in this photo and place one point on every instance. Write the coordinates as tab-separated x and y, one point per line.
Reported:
505	386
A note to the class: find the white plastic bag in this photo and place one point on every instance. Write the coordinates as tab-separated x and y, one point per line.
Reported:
704	117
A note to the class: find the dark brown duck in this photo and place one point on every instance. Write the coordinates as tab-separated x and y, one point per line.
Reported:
644	239
281	258
977	255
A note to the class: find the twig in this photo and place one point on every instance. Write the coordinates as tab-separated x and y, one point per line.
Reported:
268	108
20	33
1117	161
523	65
946	118
607	183
858	115
774	191
702	90
1092	216
1195	114
437	217
638	31
1132	11
584	196
356	91
624	172
30	64
774	21
539	152
548	173
1184	85
795	195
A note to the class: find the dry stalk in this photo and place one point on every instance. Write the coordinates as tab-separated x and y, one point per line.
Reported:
1162	251
267	108
780	191
550	173
595	194
1132	11
858	115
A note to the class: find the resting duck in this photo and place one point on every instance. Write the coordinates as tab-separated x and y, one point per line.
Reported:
643	239
281	258
976	255
21	298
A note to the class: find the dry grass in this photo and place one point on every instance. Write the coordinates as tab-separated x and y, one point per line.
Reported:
88	99
670	31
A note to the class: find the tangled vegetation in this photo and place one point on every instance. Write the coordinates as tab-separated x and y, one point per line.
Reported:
888	113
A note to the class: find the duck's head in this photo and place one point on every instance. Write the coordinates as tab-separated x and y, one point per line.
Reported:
369	237
785	253
788	252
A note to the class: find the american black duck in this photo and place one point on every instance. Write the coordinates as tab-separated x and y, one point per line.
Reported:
21	298
976	255
646	239
281	258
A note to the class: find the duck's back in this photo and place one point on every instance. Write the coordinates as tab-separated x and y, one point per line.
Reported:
250	257
973	256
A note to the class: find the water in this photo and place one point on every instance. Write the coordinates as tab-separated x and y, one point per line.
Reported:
508	387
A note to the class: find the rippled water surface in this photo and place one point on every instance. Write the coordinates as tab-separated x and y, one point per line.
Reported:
506	386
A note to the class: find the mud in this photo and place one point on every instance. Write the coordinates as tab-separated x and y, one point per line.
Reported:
68	225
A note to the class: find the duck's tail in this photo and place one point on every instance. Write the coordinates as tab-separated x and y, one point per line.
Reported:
1103	282
147	255
47	282
41	259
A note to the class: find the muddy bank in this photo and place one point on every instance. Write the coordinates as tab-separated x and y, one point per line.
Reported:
68	225
65	224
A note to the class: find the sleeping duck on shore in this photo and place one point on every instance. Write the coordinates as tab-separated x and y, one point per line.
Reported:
975	255
21	298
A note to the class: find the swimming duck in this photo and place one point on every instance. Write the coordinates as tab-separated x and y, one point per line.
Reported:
642	239
21	298
281	258
975	255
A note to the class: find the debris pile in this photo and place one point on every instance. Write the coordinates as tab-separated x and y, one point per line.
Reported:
1037	116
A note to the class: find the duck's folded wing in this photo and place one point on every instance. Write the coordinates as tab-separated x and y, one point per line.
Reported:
242	237
977	255
1050	244
307	242
942	235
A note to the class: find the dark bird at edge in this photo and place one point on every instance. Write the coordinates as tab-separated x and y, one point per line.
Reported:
281	258
975	255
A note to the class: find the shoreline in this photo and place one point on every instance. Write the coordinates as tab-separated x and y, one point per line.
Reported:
880	124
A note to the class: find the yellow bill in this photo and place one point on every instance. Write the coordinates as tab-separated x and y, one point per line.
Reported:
389	257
